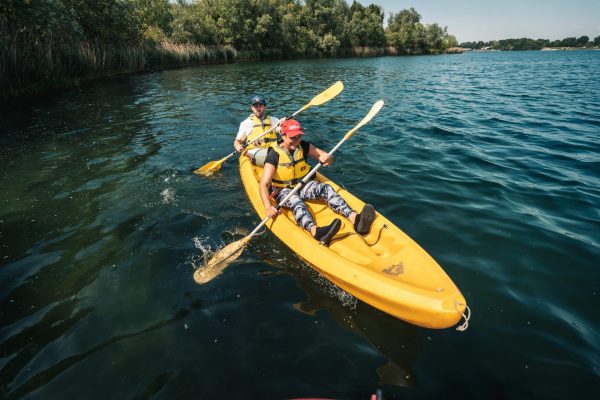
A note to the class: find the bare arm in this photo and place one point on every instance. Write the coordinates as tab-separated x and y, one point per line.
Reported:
238	142
238	145
318	154
265	181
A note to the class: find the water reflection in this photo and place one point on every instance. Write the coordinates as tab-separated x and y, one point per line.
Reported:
493	173
46	375
397	340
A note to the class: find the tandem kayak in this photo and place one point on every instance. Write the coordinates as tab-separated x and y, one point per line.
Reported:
386	268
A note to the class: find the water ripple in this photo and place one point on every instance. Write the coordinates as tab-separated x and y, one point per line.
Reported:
490	161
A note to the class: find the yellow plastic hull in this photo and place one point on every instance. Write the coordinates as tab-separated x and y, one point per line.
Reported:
386	268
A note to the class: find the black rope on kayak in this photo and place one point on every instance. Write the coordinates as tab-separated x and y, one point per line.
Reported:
378	235
463	327
340	237
345	235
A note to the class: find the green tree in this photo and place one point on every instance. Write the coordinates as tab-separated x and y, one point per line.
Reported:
555	43
569	42
597	41
194	24
543	43
405	31
268	28
329	44
154	18
583	41
40	18
327	19
450	41
296	38
366	25
110	22
435	38
520	44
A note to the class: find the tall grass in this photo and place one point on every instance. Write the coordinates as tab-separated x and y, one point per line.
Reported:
366	51
30	64
35	63
262	55
169	55
455	50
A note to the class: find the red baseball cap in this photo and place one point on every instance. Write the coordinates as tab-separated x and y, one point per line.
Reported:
291	128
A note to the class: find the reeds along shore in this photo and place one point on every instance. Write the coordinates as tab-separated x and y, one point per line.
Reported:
30	65
34	65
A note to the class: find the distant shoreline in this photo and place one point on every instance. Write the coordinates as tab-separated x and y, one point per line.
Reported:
467	49
570	43
568	48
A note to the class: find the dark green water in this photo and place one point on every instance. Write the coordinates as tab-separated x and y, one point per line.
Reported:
490	161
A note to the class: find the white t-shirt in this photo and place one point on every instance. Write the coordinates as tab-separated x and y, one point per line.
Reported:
247	125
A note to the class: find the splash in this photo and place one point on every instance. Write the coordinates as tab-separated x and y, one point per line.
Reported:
346	299
220	260
214	262
168	176
198	244
168	196
205	248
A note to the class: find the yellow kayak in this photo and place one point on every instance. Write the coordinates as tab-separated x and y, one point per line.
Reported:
386	268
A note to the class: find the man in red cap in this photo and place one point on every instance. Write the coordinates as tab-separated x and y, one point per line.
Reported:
285	166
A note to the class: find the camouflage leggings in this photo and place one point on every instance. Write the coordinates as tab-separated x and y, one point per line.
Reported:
313	190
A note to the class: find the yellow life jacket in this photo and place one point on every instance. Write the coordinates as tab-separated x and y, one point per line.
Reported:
290	169
258	128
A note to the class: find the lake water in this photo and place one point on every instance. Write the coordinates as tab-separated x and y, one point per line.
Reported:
490	161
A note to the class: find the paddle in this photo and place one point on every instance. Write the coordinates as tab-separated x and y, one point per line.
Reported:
319	99
233	250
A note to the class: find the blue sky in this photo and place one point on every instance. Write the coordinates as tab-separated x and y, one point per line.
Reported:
471	20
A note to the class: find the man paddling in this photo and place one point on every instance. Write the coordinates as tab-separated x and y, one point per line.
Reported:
285	166
254	126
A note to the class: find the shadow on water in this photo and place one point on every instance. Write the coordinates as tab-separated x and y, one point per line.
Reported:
31	340
64	220
47	375
397	340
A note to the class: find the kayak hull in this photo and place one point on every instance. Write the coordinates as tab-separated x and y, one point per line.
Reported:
385	268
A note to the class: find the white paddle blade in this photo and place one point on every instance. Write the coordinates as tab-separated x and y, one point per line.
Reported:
374	110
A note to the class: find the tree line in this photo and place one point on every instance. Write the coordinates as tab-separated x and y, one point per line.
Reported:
531	44
55	43
301	28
